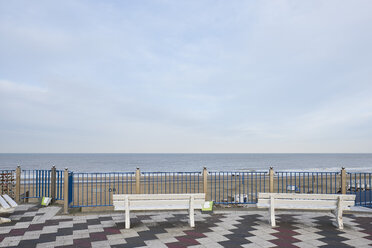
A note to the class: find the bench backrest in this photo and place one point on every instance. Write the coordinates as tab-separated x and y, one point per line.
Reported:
158	201
305	201
10	201
3	203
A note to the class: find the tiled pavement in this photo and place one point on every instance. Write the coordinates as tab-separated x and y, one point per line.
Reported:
41	227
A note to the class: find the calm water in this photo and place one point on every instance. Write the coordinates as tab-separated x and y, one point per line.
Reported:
188	162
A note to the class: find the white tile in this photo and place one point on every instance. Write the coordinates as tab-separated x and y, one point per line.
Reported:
155	244
46	245
101	244
10	241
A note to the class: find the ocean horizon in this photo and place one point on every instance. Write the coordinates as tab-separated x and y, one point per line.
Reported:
154	162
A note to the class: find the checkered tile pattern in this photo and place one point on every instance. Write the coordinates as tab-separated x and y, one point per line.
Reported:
43	227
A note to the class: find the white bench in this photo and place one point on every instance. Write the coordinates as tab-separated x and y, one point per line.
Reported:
333	202
7	205
158	202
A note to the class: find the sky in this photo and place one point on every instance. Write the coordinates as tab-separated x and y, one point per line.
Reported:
185	76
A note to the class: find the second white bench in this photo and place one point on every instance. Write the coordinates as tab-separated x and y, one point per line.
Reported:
158	202
332	202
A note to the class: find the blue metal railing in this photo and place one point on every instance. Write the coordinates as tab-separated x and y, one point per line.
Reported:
59	184
307	182
231	187
96	189
359	184
35	183
236	187
171	182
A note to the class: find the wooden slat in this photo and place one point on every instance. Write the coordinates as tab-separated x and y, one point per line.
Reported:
307	203
10	201
158	196
120	206
293	206
299	207
158	204
3	203
155	208
305	196
164	204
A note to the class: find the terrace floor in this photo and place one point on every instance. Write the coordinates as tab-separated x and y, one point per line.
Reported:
32	226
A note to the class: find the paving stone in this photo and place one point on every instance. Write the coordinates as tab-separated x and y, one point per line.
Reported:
64	240
31	235
155	244
100	244
33	227
304	245
11	241
46	245
117	242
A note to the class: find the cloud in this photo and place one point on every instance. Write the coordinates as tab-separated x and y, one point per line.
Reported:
185	76
12	87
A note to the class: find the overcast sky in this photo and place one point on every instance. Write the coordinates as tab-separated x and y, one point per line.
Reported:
185	76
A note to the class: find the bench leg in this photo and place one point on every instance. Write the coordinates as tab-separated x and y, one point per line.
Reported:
272	212
338	214
192	219
191	212
127	219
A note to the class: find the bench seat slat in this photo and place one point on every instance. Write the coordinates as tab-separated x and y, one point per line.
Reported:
158	196
166	207
3	203
305	196
11	202
297	203
300	207
159	204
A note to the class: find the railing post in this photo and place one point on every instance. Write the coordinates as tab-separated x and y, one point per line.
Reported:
53	183
138	181
205	181
65	191
343	181
271	178
18	185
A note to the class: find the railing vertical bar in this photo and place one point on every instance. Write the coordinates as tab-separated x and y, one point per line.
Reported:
25	184
215	184
360	188
355	183
96	188
49	178
370	190
174	182
40	183
43	192
101	192
126	183
256	187
282	178
365	190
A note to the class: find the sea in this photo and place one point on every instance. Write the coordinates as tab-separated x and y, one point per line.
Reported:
181	162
